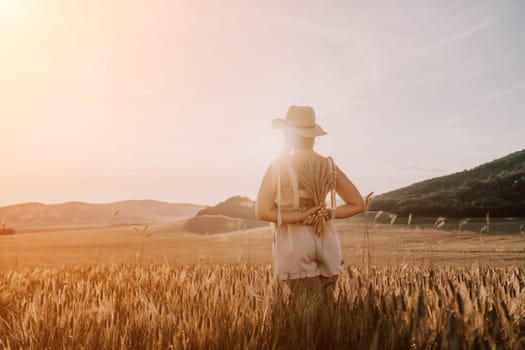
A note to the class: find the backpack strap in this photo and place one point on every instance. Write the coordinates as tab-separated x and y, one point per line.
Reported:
332	190
284	160
293	182
279	215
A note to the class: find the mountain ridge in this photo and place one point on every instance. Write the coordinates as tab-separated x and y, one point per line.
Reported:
77	213
496	187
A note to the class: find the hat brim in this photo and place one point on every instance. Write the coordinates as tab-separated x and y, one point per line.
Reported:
283	124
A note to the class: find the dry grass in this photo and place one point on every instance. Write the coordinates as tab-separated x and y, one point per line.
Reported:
157	306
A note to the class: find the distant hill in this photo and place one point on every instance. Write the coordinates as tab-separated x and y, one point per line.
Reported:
496	187
207	224
235	213
87	214
234	207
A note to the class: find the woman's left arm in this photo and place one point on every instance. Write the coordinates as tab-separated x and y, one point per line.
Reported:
347	191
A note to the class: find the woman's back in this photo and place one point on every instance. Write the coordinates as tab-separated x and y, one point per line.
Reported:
305	178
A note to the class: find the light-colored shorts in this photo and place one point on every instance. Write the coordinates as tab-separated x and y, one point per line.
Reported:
298	252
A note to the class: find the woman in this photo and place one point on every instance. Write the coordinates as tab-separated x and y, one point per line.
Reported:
306	248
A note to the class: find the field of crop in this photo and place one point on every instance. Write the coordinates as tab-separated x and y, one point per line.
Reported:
158	306
389	244
158	287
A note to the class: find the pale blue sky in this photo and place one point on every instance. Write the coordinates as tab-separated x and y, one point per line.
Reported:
173	101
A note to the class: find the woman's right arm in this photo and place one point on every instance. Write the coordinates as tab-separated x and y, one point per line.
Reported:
354	203
265	208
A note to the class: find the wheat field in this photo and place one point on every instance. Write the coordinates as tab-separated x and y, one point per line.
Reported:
241	306
156	288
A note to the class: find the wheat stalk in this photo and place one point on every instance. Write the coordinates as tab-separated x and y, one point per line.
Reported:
393	218
367	262
378	214
461	224
317	179
440	221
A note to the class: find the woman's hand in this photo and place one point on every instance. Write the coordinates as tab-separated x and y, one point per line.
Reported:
318	211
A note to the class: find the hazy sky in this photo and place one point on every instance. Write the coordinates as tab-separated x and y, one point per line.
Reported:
105	100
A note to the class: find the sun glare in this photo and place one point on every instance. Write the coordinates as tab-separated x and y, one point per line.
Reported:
8	8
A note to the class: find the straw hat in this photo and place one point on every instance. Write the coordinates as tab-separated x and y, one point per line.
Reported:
300	120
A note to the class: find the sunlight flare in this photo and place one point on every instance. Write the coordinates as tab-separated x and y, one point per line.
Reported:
8	9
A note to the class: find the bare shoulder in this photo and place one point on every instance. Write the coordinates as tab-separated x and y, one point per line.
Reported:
275	164
273	168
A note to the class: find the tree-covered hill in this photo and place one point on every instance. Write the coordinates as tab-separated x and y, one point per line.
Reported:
234	207
235	213
496	187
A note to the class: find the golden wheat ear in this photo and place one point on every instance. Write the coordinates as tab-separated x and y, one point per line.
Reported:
368	200
393	218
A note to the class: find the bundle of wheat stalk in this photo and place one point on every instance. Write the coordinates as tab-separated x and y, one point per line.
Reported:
317	178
